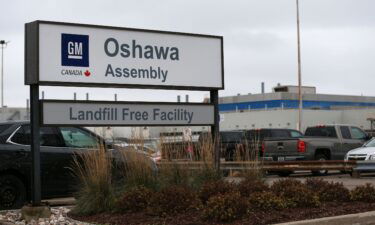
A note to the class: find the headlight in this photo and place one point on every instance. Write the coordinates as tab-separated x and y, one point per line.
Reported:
372	157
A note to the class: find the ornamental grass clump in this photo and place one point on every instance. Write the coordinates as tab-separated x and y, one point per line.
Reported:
175	170
137	169
96	192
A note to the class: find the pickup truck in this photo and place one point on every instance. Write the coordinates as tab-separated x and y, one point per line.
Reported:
237	144
327	142
58	146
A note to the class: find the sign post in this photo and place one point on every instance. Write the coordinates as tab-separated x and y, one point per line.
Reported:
35	145
81	55
214	98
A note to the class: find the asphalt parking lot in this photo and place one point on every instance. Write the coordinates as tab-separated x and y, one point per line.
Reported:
334	176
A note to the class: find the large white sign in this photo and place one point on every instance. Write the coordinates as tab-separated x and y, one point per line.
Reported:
125	113
73	54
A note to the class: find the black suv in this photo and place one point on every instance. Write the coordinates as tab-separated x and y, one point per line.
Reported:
58	145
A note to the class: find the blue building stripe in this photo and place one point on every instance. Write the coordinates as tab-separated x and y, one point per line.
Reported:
289	104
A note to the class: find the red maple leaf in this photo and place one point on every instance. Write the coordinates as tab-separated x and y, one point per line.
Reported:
87	73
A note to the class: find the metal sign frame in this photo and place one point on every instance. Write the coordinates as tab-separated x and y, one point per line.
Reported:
32	58
32	79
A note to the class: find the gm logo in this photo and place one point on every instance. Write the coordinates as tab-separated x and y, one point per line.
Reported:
75	50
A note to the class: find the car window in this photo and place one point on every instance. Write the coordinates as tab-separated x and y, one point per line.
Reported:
280	133
371	143
321	132
295	134
22	136
78	138
357	133
48	136
345	132
4	127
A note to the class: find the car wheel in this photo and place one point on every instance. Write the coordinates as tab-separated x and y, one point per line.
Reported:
12	192
320	157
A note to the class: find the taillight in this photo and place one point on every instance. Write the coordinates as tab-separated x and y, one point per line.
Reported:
263	148
301	146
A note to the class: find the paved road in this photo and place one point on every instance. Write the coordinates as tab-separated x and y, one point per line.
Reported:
346	179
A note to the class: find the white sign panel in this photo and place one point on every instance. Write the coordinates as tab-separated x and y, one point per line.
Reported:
73	54
134	114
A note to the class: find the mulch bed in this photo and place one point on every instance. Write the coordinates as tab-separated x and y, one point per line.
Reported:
257	217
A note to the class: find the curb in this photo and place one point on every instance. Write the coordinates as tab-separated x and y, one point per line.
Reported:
366	218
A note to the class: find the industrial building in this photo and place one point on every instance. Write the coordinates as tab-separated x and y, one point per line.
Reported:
279	109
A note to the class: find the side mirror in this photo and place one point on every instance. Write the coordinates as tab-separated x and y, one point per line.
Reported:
367	137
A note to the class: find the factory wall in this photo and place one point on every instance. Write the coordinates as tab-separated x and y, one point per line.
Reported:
288	118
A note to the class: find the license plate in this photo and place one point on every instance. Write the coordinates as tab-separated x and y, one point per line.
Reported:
280	158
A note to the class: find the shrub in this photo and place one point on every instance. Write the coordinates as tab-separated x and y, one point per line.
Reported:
213	188
295	193
328	191
248	187
225	207
135	199
203	175
267	201
316	184
173	199
364	193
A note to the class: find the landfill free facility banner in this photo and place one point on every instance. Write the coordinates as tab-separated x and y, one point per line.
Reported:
55	112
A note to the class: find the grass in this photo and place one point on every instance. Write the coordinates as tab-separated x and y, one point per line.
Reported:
103	179
94	172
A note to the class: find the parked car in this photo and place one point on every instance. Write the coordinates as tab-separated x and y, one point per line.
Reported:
364	153
327	142
58	146
255	137
237	143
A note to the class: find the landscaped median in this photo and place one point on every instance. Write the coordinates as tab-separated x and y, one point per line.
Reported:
175	195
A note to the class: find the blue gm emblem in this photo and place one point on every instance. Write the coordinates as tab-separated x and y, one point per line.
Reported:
75	50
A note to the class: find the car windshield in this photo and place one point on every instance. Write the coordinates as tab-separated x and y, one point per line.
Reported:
371	143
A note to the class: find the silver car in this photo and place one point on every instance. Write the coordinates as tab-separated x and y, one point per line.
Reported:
366	152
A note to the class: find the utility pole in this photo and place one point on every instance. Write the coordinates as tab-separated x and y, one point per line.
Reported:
3	45
299	72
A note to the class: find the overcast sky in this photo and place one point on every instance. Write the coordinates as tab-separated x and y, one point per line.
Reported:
337	41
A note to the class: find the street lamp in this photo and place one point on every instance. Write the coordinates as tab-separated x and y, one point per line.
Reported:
299	73
3	45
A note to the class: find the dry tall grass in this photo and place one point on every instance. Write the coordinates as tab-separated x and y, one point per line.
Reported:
93	170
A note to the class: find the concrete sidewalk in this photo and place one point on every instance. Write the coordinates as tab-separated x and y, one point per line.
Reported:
367	218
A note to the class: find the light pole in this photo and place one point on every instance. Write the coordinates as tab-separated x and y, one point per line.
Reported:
299	73
3	45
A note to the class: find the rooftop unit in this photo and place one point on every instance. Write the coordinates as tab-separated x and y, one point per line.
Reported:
294	89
